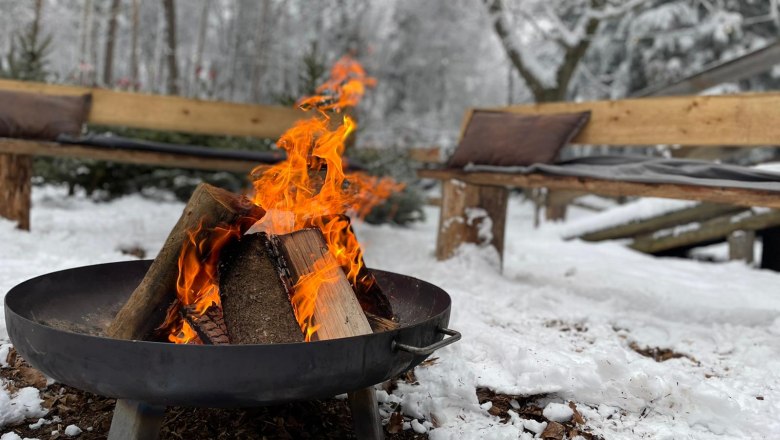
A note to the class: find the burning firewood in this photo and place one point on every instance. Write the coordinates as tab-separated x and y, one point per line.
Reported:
146	307
255	297
330	308
210	326
335	310
367	289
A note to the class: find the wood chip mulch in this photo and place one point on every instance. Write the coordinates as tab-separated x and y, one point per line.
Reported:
316	419
526	407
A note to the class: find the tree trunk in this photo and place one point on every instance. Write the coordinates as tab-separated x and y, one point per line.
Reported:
15	187
134	81
169	7
86	32
108	58
193	88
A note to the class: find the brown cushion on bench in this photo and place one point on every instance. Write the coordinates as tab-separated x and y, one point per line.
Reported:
511	139
29	115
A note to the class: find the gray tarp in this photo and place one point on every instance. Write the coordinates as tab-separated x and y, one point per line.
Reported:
651	170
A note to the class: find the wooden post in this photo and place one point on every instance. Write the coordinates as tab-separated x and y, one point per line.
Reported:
465	209
135	420
770	255
15	188
741	245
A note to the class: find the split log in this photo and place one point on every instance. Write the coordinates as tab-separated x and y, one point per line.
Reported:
368	291
337	313
255	297
146	308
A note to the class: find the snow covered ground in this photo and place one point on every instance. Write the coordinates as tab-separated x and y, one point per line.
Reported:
559	320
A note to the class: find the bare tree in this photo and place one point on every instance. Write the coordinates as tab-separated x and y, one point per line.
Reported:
573	43
199	48
134	81
169	8
108	58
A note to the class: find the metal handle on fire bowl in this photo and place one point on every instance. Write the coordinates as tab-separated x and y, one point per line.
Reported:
454	336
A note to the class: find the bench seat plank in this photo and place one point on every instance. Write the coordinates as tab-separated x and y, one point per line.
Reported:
722	194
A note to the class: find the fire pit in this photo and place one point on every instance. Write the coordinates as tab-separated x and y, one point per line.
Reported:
56	322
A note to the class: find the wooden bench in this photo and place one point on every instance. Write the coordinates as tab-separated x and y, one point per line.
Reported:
747	120
113	108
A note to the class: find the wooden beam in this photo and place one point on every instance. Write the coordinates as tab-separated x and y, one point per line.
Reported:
712	230
173	113
735	120
701	212
745	66
734	196
138	157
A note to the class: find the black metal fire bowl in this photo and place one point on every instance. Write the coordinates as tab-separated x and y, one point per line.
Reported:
49	318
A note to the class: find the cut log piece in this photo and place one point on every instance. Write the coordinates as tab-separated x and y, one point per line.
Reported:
255	300
337	313
145	309
368	291
210	326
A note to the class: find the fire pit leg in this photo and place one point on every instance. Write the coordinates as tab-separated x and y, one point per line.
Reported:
134	420
365	414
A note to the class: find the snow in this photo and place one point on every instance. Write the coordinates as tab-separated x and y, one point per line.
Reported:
637	210
559	320
558	412
72	431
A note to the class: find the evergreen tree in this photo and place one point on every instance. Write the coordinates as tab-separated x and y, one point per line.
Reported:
26	60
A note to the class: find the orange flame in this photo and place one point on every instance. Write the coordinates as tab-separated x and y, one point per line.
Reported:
309	188
197	283
295	194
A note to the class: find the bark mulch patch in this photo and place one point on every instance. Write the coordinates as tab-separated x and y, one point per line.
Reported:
660	354
527	408
316	419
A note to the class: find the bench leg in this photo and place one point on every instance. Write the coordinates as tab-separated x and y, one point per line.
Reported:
770	255
465	209
135	420
741	245
15	188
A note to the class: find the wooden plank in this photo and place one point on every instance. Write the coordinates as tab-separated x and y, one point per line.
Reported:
15	189
701	212
712	230
173	113
426	155
734	196
138	157
460	221
735	120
